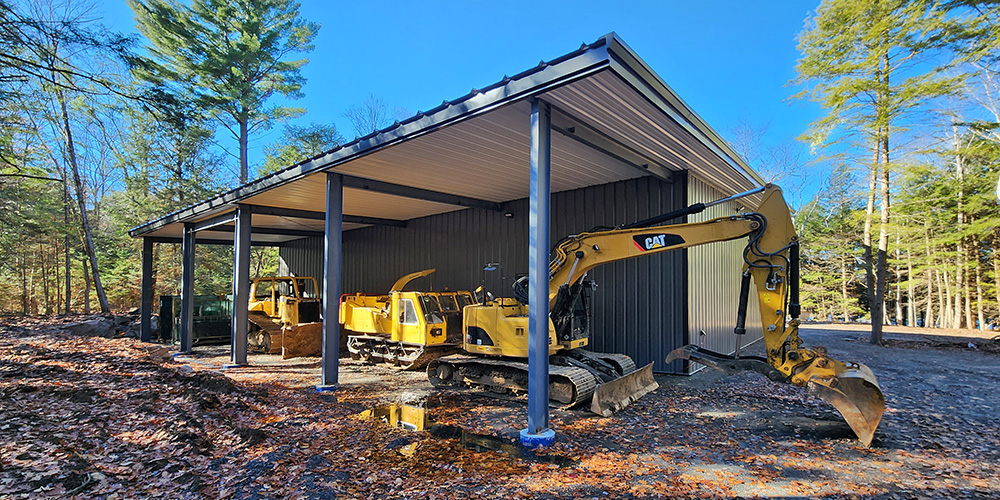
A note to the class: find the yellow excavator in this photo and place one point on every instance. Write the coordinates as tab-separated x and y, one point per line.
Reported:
496	331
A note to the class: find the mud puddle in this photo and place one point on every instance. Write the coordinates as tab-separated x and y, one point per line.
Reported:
417	418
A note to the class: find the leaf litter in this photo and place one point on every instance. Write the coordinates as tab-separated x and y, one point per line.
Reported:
89	417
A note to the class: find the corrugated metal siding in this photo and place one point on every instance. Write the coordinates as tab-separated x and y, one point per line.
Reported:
714	280
639	304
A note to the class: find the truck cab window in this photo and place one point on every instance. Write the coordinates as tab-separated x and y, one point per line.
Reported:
407	313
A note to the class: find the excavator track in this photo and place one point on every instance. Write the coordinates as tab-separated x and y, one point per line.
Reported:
406	357
568	386
267	337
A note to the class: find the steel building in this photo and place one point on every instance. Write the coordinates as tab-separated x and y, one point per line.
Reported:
454	188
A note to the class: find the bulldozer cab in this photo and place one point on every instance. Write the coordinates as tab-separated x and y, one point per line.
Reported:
290	299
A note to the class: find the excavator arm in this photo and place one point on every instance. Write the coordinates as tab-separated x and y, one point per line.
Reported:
771	262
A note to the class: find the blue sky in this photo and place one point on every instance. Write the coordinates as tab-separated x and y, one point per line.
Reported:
729	60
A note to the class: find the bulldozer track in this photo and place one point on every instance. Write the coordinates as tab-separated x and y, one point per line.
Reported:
257	340
568	386
406	357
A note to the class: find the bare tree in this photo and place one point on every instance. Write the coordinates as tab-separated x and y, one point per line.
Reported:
370	115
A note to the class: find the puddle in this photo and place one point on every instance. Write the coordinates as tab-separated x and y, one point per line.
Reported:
415	417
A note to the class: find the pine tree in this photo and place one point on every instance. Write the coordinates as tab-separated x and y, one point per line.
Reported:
869	63
230	55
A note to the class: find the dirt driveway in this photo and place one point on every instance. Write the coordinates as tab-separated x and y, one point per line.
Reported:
97	418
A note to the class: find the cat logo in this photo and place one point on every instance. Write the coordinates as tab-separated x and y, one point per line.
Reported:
647	242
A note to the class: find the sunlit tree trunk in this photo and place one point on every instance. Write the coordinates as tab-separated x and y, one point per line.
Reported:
86	288
929	274
947	313
911	312
979	292
867	235
844	297
42	254
899	279
81	201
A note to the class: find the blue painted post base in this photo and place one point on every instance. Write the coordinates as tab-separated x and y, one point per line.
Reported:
235	365
182	353
532	441
326	388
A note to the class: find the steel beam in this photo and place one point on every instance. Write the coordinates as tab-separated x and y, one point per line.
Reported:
241	286
187	290
417	193
146	292
272	230
538	432
332	257
577	130
212	222
306	214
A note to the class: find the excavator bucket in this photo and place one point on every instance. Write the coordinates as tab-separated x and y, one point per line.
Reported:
612	396
855	393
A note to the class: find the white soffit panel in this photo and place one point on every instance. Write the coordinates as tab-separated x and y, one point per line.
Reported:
606	101
487	158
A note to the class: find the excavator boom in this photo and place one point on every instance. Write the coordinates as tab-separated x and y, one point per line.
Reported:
771	261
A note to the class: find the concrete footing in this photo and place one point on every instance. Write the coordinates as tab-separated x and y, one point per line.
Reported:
543	438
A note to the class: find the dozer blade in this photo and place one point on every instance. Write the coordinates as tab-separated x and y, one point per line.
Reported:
856	395
612	396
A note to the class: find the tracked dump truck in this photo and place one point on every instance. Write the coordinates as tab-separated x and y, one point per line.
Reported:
280	306
404	329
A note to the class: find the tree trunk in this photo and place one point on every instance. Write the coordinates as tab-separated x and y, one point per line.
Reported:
69	286
979	289
844	297
882	112
929	318
996	266
911	313
45	278
899	288
945	311
883	244
86	289
244	138
81	201
24	282
867	235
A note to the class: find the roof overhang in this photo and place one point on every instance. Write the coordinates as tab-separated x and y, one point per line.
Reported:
612	119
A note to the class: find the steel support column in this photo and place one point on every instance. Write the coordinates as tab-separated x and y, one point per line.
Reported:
146	291
187	290
241	286
331	281
538	432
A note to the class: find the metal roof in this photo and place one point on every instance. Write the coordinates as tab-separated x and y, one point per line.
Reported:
612	118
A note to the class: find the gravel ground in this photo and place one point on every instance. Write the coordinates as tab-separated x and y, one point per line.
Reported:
98	418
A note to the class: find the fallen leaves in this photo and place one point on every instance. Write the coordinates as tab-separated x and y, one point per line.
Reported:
114	418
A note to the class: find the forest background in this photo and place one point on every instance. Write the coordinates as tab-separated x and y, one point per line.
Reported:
100	132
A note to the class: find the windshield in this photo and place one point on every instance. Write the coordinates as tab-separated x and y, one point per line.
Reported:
263	290
448	303
285	288
431	309
464	300
306	288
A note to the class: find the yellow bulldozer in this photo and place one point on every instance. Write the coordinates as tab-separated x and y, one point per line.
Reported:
284	315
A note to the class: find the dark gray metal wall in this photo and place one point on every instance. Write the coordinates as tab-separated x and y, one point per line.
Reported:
639	305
